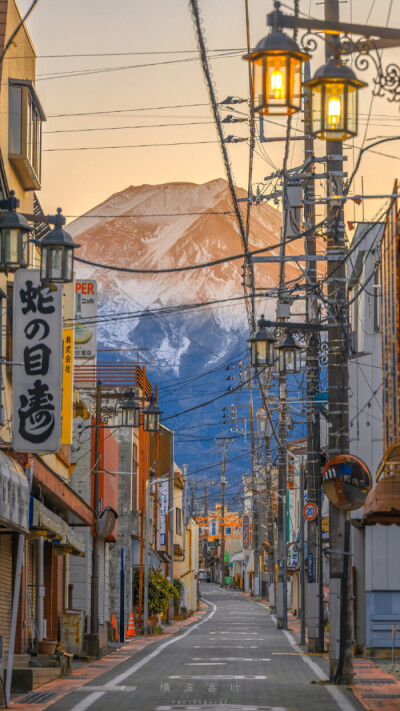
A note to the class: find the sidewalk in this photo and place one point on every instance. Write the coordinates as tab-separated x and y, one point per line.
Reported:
374	688
48	694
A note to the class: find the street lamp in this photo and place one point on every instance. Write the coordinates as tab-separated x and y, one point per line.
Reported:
276	64
334	101
262	346
151	416
57	258
130	410
14	236
289	360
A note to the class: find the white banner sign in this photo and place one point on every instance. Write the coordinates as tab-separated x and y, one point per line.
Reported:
163	499
85	319
37	344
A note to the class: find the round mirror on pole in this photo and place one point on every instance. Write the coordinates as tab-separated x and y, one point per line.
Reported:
334	101
130	409
276	62
289	355
14	236
151	416
262	346
57	253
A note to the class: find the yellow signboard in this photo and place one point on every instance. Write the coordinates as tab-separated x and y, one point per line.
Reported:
67	385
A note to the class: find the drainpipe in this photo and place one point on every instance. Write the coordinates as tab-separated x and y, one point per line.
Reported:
40	588
14	614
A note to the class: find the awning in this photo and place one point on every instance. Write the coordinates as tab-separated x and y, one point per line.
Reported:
178	550
44	521
238	557
48	524
164	556
69	543
14	495
250	563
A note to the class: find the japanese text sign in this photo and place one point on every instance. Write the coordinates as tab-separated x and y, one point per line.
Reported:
37	344
163	499
85	319
67	386
246	532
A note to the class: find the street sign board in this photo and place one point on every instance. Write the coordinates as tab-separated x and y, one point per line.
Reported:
293	557
37	344
163	499
246	532
310	511
226	557
228	580
85	319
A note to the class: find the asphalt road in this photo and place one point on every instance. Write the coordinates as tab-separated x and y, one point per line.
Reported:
234	658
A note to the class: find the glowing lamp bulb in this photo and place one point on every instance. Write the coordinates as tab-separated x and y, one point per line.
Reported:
334	112
277	84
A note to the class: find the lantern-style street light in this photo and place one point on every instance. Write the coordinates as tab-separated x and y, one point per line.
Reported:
14	236
276	64
130	410
151	416
334	101
57	253
289	355
262	346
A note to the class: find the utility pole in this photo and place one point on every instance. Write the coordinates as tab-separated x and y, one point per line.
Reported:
192	502
315	611
205	542
146	561
223	484
94	612
254	501
302	560
270	521
340	581
281	610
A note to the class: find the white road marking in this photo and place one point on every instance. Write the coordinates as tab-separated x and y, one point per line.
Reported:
219	676
235	659
219	707
205	664
83	705
218	646
92	698
106	687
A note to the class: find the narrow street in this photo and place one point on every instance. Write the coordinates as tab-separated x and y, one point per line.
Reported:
233	658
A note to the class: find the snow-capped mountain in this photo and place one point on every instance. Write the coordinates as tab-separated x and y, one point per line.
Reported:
169	226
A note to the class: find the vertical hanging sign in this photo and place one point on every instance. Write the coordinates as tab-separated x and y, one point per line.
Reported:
37	345
246	532
67	386
163	499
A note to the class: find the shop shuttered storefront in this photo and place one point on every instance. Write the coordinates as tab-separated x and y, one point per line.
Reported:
5	588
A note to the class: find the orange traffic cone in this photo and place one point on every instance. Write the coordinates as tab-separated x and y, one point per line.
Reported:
130	633
114	624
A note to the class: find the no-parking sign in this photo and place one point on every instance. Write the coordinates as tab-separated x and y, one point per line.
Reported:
310	511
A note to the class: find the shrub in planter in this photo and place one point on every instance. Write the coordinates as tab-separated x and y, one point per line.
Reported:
160	590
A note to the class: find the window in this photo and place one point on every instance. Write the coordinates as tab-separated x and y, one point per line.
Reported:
178	521
25	132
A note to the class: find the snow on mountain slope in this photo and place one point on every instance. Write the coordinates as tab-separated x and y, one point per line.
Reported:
168	226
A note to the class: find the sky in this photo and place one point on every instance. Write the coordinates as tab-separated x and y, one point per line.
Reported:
127	34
